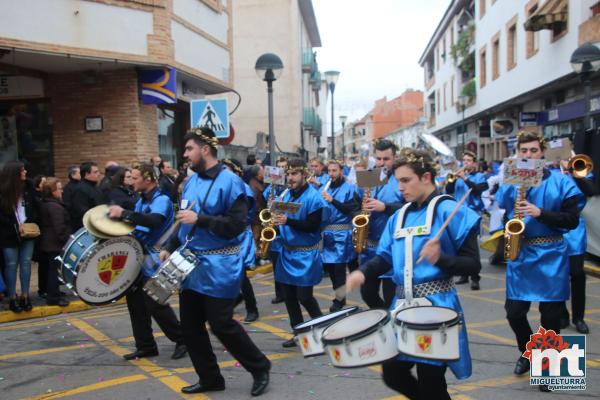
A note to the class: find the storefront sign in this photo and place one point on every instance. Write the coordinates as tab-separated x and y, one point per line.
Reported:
20	87
569	111
188	91
528	119
159	86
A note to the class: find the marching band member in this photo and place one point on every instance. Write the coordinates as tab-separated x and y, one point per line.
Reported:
456	252
541	271
469	178
382	204
343	201
576	242
319	174
249	246
299	265
152	216
214	232
275	247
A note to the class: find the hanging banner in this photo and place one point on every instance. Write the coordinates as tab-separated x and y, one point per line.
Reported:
159	86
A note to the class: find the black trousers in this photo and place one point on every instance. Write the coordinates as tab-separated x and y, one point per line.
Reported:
248	295
296	295
337	274
142	308
51	286
429	384
196	309
370	292
577	289
516	313
273	256
353	265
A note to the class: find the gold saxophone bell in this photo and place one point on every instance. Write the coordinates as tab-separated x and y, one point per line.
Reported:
360	223
580	165
267	235
265	216
513	230
450	178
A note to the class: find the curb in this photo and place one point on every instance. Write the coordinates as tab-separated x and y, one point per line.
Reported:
78	305
47	311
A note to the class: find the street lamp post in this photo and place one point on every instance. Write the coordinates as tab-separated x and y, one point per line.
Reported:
268	68
462	101
331	78
343	120
586	61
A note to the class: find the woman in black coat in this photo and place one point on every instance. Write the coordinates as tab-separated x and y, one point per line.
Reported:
17	206
121	192
55	228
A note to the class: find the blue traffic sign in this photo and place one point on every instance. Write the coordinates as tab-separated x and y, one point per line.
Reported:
211	114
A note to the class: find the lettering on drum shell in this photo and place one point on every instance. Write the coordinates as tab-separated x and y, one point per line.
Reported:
367	351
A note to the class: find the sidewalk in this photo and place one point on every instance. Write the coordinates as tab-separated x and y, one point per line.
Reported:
41	310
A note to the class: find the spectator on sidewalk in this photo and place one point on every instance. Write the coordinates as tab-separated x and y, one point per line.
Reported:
167	178
17	206
55	229
105	185
69	189
121	193
87	195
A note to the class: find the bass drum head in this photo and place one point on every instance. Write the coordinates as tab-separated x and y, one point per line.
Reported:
354	324
108	270
427	317
324	318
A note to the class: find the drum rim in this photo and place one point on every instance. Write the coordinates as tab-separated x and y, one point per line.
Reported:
308	328
135	282
428	326
360	334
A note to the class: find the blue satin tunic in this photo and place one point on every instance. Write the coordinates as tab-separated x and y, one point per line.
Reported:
577	238
158	204
301	268
337	244
453	237
216	275
388	193
248	249
541	272
460	188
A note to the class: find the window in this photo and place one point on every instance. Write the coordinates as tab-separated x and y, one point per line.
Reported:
437	59
438	102
444	93
560	29
511	43
452	34
482	67
496	56
481	8
452	91
532	39
444	49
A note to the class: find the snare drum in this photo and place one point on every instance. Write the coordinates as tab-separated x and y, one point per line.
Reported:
428	332
361	339
168	277
100	271
308	334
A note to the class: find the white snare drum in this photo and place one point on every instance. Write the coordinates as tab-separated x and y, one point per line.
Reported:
361	339
428	332
308	334
168	277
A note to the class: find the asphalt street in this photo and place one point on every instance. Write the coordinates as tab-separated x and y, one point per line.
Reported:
78	355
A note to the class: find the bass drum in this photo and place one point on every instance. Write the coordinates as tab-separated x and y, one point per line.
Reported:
101	271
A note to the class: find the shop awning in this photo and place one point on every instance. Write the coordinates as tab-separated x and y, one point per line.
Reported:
553	12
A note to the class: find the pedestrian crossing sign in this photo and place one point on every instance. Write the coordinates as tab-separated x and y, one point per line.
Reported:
211	114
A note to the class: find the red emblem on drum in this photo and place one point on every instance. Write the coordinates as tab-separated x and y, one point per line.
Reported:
424	342
305	343
336	354
110	268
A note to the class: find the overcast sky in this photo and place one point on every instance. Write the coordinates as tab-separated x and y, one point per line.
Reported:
376	45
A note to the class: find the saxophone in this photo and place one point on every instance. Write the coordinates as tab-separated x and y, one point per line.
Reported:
514	229
361	226
268	232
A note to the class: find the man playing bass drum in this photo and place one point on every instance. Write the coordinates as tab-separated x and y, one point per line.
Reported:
540	272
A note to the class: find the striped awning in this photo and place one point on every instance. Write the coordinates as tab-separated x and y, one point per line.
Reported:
553	12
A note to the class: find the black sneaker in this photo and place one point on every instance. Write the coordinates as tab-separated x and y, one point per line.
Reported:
251	317
462	280
58	302
337	305
289	343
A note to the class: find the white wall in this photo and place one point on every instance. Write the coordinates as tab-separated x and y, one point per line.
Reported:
77	23
204	17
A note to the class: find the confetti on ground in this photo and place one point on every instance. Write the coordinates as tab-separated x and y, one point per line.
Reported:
49	391
290	376
237	364
275	311
311	392
347	374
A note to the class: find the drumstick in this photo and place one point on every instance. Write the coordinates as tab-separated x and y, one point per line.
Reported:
447	221
157	246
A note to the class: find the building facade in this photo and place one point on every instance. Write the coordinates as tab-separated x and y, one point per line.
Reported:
505	64
80	79
289	30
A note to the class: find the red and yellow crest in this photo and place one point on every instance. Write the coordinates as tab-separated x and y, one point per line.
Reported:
336	354
424	342
110	268
305	343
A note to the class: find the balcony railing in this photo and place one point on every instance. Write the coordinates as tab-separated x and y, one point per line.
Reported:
310	118
308	60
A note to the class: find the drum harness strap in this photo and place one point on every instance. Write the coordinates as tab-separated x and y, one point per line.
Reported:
408	292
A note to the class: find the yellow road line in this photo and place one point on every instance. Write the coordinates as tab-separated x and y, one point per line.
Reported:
46	351
90	388
481	298
272	329
486	324
47	311
172	382
494	277
497	290
330	298
233	363
491	336
489	383
263	269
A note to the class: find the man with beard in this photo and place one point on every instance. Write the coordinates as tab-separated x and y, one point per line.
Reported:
343	201
214	230
299	265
